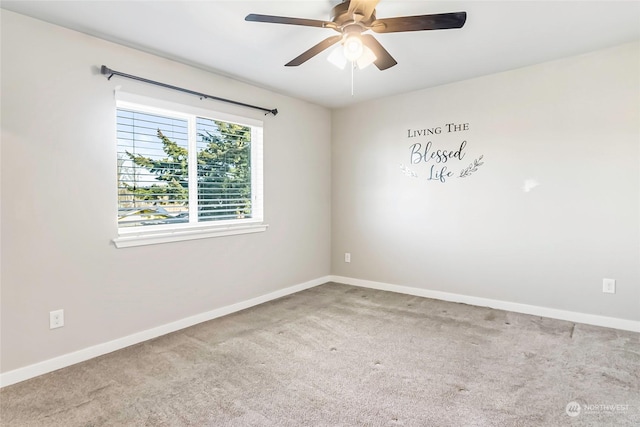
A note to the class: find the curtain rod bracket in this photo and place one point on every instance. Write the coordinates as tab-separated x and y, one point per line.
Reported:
108	71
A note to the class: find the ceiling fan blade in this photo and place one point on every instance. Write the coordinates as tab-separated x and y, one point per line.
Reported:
440	21
307	55
383	59
292	21
363	7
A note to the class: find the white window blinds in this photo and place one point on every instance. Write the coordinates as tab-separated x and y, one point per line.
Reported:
177	169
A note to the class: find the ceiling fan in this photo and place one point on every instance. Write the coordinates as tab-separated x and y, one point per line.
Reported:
352	19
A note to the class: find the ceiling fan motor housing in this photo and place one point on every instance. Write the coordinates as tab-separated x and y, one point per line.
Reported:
340	15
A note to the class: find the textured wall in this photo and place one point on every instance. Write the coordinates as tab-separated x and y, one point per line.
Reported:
551	211
59	199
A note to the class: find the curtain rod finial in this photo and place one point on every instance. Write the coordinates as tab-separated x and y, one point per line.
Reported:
106	70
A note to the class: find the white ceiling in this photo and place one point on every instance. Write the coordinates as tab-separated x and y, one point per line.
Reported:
498	36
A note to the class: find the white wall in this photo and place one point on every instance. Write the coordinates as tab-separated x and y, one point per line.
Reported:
572	126
59	199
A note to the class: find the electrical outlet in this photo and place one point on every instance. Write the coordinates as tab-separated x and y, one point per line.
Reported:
56	319
609	286
347	257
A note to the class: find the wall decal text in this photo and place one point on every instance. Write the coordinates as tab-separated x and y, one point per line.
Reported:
441	158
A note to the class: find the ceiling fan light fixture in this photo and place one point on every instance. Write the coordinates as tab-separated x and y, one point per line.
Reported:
367	58
337	58
353	47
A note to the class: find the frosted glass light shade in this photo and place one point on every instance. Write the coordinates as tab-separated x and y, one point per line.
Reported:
339	58
353	47
336	57
367	58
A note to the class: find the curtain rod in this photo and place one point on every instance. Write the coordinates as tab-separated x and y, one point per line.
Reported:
106	70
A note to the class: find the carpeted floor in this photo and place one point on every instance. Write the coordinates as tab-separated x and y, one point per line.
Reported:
338	355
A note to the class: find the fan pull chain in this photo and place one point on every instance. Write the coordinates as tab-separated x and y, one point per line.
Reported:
353	66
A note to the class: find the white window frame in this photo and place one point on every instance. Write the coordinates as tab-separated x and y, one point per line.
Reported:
165	233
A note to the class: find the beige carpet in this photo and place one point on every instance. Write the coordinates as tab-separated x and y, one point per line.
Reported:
338	355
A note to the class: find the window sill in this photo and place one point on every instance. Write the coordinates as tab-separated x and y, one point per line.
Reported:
143	238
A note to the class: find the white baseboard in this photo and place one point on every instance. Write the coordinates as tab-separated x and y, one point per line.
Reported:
572	316
31	371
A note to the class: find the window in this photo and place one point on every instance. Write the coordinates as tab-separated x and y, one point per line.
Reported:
185	173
